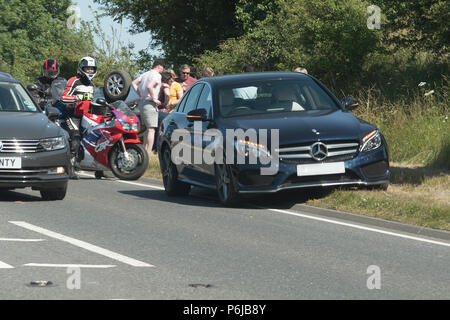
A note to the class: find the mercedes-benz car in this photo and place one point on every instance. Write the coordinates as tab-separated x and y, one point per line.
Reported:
266	132
34	151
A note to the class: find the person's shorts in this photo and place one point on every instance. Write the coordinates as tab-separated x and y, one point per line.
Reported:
149	113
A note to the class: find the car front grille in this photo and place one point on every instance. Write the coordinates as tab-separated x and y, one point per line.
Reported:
20	146
331	151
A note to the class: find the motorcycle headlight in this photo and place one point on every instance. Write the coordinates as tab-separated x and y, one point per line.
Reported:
252	149
371	141
50	144
130	126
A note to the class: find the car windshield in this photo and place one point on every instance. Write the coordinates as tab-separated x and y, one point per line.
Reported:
273	96
14	98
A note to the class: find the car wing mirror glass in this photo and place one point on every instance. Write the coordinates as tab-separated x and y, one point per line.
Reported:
350	103
32	87
101	101
52	113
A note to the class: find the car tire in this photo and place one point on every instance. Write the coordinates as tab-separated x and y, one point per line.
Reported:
226	186
172	185
54	194
117	85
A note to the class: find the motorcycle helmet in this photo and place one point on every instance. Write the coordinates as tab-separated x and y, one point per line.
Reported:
87	62
50	69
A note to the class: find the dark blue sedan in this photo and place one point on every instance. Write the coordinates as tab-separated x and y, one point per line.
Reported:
266	132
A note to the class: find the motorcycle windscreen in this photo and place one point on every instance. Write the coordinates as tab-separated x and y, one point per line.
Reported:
123	108
57	88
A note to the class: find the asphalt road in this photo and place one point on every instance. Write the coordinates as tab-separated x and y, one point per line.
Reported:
109	239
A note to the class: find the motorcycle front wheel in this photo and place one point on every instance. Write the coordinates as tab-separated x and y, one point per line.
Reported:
129	166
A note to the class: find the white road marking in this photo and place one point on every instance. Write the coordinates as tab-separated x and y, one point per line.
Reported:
53	265
83	244
21	240
5	266
128	182
346	224
400	235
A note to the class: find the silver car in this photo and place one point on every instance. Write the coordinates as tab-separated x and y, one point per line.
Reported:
34	151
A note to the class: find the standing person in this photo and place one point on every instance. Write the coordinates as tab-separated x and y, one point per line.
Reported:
164	92
176	91
301	69
246	92
147	87
207	72
185	78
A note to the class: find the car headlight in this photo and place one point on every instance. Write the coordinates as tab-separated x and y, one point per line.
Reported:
50	144
371	141
251	149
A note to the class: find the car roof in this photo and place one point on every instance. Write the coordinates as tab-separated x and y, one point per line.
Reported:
7	77
257	76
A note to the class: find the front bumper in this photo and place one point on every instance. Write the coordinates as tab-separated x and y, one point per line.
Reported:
365	169
38	170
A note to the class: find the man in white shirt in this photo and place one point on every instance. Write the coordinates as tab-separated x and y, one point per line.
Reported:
246	92
147	87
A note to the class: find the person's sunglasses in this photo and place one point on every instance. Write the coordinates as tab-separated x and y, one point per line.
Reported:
186	73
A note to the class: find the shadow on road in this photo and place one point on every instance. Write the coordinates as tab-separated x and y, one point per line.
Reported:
203	197
13	196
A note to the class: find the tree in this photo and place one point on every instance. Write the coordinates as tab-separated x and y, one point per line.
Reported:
420	25
184	29
34	30
330	38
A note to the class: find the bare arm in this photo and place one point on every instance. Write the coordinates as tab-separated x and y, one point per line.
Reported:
135	85
153	83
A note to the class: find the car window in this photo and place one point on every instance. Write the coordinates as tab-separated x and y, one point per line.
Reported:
205	100
180	105
273	96
14	98
191	101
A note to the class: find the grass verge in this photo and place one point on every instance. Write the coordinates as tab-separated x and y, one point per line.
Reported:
417	195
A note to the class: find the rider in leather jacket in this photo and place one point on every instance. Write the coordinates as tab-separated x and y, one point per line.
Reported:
44	94
77	98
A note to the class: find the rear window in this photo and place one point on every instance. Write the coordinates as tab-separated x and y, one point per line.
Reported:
14	98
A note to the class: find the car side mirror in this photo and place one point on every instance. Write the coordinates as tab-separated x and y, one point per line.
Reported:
32	87
101	101
350	103
197	115
52	113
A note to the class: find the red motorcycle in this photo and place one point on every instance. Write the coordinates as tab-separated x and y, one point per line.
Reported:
110	140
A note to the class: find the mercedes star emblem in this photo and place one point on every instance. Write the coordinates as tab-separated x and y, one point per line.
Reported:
319	151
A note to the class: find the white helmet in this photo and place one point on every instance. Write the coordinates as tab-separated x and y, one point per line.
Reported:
87	62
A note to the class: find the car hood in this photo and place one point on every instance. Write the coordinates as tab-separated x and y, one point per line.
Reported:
27	125
305	126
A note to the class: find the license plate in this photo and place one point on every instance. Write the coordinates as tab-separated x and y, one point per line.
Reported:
320	168
10	163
